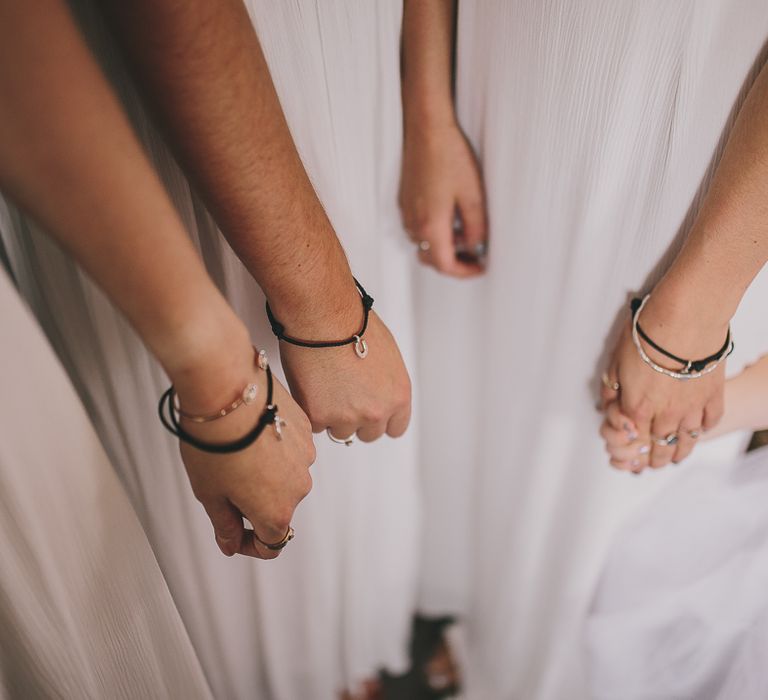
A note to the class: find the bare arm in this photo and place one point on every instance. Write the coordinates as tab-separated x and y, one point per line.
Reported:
201	64
728	245
440	176
691	307
69	158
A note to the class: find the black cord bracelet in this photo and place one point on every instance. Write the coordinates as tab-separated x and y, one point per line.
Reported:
171	423
688	365
361	347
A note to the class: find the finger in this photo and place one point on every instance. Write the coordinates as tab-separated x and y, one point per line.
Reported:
630	453
608	379
640	414
442	257
342	431
398	423
614	437
663	425
690	429
619	421
372	431
251	547
474	230
713	412
227	525
620	464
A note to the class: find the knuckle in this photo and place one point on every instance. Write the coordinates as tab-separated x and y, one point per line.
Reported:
373	414
305	486
279	521
423	225
639	412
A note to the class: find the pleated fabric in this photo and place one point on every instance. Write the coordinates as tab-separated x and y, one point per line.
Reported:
84	609
597	124
681	609
335	607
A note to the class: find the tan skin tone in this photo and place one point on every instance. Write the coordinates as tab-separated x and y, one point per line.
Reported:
690	308
745	409
204	74
64	142
440	174
692	305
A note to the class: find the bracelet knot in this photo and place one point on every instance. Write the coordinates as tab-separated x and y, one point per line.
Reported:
356	340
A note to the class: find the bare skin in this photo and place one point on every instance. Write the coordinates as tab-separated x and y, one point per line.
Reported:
440	175
745	409
64	142
691	307
204	73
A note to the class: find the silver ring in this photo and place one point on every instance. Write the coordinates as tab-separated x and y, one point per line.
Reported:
694	433
668	441
341	441
424	246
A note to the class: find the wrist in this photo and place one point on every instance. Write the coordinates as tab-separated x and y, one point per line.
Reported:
424	120
427	108
319	301
681	326
209	362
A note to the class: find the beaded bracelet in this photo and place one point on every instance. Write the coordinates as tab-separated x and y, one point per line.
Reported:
692	369
361	346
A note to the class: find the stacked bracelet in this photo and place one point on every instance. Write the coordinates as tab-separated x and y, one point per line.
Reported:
691	369
361	346
170	414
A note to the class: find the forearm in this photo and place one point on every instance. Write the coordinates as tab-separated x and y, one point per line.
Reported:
426	65
69	158
207	79
728	244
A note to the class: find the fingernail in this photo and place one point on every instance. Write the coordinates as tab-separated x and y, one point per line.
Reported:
629	429
643	449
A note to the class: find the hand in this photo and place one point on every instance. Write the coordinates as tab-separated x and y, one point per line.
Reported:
440	178
657	405
622	443
351	396
746	410
263	483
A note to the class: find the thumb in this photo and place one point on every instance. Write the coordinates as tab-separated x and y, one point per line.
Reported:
474	228
227	525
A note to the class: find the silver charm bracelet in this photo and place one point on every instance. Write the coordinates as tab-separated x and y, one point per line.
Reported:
685	373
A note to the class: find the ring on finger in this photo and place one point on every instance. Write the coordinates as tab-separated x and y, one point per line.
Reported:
277	546
341	441
424	246
693	434
609	383
668	441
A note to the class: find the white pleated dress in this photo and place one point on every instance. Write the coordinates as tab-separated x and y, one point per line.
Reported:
597	124
681	610
84	609
336	606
